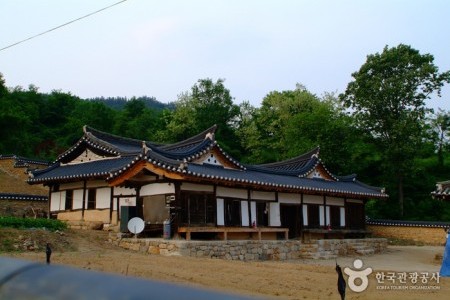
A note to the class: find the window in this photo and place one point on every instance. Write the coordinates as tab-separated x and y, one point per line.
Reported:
232	212
91	198
335	216
355	215
313	216
69	199
198	208
262	213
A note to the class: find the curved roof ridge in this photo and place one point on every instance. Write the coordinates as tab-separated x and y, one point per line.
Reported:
349	177
100	135
208	133
375	188
187	152
295	160
300	171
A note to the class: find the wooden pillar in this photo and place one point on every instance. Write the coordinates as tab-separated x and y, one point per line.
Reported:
250	223
83	207
49	200
111	204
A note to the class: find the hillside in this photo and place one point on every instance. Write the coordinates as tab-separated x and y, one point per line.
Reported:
13	180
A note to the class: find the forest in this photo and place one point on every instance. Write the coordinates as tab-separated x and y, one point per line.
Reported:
379	128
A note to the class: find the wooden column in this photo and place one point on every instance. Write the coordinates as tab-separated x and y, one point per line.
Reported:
83	207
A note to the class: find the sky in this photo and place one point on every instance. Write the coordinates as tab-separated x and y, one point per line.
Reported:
161	48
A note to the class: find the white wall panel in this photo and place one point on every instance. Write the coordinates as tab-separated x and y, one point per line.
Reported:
220	212
231	193
289	198
157	189
185	186
312	199
123	191
257	195
335	201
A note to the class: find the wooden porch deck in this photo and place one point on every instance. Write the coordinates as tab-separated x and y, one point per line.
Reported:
226	230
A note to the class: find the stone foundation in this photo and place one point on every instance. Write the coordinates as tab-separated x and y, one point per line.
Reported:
251	250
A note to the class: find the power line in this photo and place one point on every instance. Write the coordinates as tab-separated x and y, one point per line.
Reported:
65	24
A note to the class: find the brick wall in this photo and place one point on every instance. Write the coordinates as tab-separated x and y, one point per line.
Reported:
427	235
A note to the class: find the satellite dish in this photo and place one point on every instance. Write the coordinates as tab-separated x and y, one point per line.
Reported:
136	225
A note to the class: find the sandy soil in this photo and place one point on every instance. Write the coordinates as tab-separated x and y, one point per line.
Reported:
296	279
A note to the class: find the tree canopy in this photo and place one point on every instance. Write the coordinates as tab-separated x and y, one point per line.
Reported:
387	100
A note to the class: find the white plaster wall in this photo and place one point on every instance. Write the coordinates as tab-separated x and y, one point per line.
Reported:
231	193
244	213
123	191
220	212
157	189
274	214
289	198
335	201
103	198
127	201
185	186
312	199
257	195
96	184
71	185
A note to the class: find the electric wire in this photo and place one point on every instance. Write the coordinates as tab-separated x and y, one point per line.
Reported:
62	25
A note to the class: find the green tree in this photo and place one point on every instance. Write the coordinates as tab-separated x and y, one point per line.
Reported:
137	121
207	103
387	99
439	127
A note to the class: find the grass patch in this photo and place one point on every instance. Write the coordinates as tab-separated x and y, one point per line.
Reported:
23	223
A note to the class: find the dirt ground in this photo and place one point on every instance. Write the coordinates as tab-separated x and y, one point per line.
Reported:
295	279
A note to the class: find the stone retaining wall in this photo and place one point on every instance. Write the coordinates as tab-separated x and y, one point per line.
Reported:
434	236
249	250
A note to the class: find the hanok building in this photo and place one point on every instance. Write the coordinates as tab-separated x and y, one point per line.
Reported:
442	191
201	190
